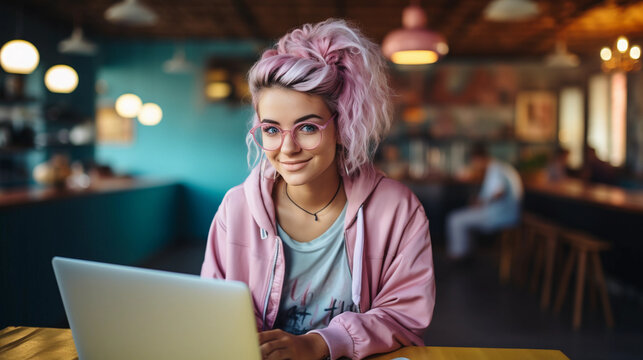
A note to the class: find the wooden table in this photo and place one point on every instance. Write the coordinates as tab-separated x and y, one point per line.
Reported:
48	344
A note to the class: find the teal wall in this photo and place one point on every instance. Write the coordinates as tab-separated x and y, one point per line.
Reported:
200	144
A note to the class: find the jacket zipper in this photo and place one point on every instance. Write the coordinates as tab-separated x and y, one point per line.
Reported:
272	277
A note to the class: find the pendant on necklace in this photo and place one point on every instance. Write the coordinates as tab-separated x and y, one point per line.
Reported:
315	217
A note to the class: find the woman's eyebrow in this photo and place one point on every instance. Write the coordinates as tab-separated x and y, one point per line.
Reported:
303	118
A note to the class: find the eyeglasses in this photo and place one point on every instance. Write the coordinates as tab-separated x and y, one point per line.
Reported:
307	135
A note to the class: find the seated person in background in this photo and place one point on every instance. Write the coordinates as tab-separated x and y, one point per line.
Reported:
557	166
596	170
497	205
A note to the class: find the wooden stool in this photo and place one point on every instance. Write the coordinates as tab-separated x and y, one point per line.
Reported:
583	245
536	228
509	248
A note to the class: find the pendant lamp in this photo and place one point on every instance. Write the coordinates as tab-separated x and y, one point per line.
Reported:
19	57
128	105
150	115
511	10
77	44
561	57
178	64
621	57
131	12
61	79
414	44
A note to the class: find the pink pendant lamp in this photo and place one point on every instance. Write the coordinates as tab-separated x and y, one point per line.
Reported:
414	44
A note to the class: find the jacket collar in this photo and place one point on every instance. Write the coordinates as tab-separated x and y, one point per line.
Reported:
259	185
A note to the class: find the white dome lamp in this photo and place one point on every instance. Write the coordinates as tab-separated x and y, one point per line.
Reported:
414	44
131	12
561	57
19	57
77	44
511	10
178	64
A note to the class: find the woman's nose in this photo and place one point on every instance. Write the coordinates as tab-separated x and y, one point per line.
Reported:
289	145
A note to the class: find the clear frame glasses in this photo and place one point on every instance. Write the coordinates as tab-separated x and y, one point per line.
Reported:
307	135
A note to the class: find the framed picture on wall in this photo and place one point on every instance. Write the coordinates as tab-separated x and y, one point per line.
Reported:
536	116
112	128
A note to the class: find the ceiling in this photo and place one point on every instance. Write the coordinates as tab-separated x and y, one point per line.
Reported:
586	25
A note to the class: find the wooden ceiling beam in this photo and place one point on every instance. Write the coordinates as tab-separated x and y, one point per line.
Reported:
539	41
340	9
248	18
462	27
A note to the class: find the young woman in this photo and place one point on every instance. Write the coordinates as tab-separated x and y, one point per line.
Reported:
337	257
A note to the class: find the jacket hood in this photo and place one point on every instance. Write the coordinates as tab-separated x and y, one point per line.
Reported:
258	190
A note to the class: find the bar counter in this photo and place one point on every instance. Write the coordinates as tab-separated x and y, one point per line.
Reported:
606	196
610	213
33	195
116	220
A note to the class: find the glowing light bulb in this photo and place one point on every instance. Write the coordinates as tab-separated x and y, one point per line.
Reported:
150	115
443	48
218	90
606	54
635	52
61	79
128	105
621	44
19	57
414	57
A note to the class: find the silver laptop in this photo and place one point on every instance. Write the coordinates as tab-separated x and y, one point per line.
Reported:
120	312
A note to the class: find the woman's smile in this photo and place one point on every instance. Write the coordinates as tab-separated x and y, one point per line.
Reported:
294	165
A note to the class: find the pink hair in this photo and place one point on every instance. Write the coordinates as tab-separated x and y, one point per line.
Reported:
334	60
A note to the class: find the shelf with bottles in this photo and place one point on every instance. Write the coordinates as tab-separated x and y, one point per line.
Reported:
489	141
454	123
31	133
19	126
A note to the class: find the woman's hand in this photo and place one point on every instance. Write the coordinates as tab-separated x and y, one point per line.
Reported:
278	344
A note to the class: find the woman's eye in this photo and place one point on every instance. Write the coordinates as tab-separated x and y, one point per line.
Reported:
270	130
308	128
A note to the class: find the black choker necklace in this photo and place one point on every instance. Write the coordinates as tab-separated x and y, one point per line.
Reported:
320	210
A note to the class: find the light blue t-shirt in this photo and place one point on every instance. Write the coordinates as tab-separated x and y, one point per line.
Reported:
501	177
317	284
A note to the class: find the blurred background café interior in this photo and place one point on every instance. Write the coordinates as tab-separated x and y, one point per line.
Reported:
123	124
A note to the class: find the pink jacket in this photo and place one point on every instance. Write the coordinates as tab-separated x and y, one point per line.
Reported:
387	245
